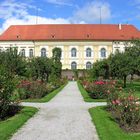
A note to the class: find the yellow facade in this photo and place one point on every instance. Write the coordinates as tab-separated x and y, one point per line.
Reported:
81	50
66	46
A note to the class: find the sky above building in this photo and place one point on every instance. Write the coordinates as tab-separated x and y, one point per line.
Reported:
13	12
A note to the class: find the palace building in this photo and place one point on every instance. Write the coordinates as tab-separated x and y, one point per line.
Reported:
81	44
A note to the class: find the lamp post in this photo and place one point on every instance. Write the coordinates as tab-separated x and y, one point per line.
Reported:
36	15
100	14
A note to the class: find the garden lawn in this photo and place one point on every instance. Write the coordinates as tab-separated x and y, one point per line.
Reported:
11	125
85	95
48	97
134	86
107	128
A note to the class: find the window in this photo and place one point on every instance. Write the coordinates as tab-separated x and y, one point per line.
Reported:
88	65
31	53
103	52
88	52
73	65
22	52
43	52
73	52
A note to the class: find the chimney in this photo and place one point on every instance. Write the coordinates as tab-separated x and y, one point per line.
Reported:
120	26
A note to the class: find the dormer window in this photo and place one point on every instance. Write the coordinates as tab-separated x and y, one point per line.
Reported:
53	36
88	35
18	36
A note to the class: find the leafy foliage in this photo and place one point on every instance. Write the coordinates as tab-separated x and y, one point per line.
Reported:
40	68
7	87
125	109
57	65
120	64
100	68
14	63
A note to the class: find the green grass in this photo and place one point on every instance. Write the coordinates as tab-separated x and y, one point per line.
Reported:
85	95
107	128
10	126
48	97
134	86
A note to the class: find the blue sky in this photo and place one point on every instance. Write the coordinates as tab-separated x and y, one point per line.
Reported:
68	11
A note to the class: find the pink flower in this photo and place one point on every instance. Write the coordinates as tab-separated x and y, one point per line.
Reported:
100	83
118	101
113	102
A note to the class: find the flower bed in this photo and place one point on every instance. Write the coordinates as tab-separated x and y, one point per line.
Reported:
34	89
99	89
125	109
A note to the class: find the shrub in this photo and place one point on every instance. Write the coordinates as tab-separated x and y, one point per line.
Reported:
99	89
125	109
31	89
37	89
7	87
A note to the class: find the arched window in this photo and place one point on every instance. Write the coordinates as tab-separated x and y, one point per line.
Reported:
22	52
103	52
88	52
31	53
88	65
73	52
73	65
43	52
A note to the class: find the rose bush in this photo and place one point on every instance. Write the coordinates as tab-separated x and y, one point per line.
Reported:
37	89
125	108
33	89
99	89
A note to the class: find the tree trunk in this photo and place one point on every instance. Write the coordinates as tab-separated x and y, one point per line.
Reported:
124	85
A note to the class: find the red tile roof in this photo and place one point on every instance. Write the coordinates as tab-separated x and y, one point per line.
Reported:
70	32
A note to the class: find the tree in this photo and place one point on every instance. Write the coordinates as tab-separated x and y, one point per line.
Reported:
100	68
57	65
41	68
120	65
13	62
133	51
57	54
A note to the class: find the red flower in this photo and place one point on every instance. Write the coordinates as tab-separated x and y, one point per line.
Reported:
99	82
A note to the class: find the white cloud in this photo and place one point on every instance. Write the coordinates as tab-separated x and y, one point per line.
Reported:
91	12
32	20
10	8
60	2
17	14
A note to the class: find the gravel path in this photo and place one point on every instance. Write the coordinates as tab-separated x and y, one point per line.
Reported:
65	117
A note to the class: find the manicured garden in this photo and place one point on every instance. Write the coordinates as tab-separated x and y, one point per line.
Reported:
26	79
112	80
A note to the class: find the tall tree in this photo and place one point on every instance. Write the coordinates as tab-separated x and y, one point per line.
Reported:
133	51
120	65
57	65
